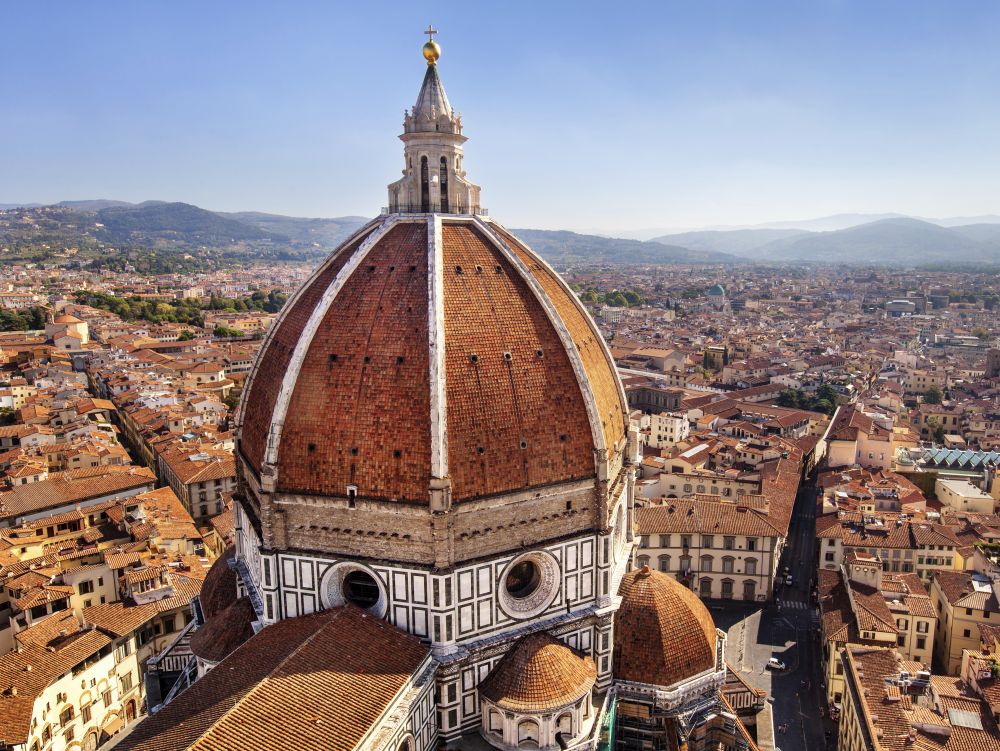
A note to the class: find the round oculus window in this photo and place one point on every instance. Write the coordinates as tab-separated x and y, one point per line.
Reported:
523	579
529	584
361	589
351	582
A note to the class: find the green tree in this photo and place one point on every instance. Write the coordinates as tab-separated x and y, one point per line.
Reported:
936	429
789	398
224	332
825	406
933	395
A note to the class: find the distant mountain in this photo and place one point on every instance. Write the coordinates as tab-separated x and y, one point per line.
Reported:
821	224
902	241
963	221
156	223
318	232
94	205
93	226
563	247
738	241
984	233
830	223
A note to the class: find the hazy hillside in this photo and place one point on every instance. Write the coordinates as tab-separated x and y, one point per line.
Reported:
562	247
321	232
95	226
738	242
94	205
899	241
179	223
984	233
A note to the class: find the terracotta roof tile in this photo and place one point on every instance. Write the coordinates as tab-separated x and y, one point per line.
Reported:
539	673
224	631
317	682
663	632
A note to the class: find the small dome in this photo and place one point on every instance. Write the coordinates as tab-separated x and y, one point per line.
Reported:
218	591
224	631
539	673
663	632
66	318
717	291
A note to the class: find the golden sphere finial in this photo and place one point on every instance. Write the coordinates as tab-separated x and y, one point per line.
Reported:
432	50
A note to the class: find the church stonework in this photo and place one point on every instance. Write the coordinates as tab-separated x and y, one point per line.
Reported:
434	446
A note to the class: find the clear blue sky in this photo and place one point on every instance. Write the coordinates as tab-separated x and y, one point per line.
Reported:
581	115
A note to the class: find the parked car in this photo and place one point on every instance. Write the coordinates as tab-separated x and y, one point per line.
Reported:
775	664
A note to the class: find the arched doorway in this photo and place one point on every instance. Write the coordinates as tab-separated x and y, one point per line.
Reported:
130	710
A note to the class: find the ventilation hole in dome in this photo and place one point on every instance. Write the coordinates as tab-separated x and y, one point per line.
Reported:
400	359
367	359
397	453
479	269
458	269
392	268
333	357
480	449
371	268
312	447
524	444
413	268
564	438
508	356
569	505
409	308
499	270
539	353
354	451
473	358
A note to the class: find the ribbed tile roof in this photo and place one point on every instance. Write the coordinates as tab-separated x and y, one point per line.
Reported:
539	673
663	632
431	347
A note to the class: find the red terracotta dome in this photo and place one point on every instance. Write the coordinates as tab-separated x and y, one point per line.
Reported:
224	631
539	673
218	590
663	631
431	347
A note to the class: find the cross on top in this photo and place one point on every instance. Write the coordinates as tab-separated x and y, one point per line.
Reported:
431	31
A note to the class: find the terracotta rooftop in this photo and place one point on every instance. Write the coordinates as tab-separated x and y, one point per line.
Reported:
513	385
663	631
73	486
339	670
224	631
218	591
539	673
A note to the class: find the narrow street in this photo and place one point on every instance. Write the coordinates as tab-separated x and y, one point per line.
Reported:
787	630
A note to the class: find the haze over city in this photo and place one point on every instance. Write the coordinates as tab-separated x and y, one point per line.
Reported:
583	116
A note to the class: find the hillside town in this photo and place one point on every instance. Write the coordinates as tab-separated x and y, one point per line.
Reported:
819	451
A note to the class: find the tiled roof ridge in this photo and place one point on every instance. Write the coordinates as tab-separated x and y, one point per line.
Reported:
337	614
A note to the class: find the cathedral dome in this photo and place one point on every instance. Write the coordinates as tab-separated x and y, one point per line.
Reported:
224	631
218	590
431	350
539	674
663	631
